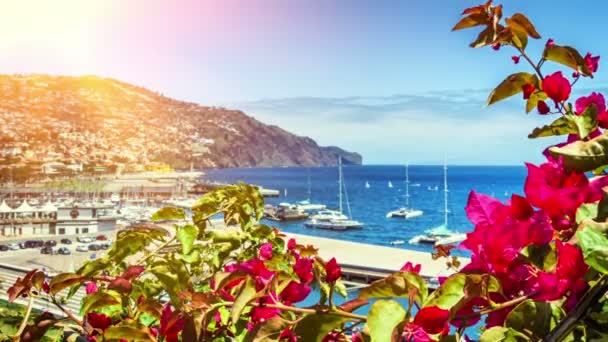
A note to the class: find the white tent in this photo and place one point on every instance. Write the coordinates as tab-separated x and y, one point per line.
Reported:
4	208
24	208
48	207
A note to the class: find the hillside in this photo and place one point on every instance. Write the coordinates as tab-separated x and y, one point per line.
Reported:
104	122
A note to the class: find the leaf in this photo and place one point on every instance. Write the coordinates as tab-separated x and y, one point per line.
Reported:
583	156
269	330
313	328
538	318
560	126
186	236
459	288
169	214
246	294
544	257
384	316
567	56
520	22
476	19
534	99
569	124
502	334
100	299
586	122
512	85
64	280
397	285
586	211
129	333
484	38
595	248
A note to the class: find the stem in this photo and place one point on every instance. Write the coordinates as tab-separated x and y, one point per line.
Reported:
154	252
536	67
68	313
497	307
331	294
313	311
26	317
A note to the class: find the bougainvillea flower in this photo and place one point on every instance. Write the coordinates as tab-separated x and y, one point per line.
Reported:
409	267
291	244
496	46
90	288
288	335
591	62
266	251
171	324
598	100
415	333
515	59
333	271
256	268
549	42
99	321
261	312
303	268
528	89
576	74
433	320
294	292
557	87
133	272
542	107
568	275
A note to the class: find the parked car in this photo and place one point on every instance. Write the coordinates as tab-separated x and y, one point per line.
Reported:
33	243
82	248
47	250
105	245
66	241
13	246
94	247
85	239
4	248
101	238
51	243
63	251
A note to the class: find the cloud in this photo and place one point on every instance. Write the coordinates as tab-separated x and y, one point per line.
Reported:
419	127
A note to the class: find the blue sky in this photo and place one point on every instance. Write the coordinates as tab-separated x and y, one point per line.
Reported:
385	78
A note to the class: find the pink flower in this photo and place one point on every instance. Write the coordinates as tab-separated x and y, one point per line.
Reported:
261	312
256	268
591	62
266	251
550	42
99	321
568	276
291	244
415	333
433	320
303	268
288	335
90	288
557	87
409	267
515	59
133	272
528	89
294	292
542	107
576	74
496	46
333	271
171	324
598	100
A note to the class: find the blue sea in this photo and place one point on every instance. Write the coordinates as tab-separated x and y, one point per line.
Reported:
370	205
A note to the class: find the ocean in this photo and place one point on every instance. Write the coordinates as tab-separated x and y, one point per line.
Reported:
370	205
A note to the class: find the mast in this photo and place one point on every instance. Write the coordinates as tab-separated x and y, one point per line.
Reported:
407	185
445	191
309	185
340	182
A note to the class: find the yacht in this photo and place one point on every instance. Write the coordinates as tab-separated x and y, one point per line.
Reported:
285	212
367	186
442	234
390	184
306	205
406	212
331	219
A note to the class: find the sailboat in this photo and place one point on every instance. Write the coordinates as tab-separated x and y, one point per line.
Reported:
441	234
331	219
406	212
390	184
306	205
367	186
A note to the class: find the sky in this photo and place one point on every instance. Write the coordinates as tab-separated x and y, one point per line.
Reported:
387	79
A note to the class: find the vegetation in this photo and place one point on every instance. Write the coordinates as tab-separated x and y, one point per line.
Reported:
538	269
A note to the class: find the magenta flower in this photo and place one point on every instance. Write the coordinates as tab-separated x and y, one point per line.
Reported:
542	107
528	89
90	288
294	292
303	268
515	59
291	244
333	271
591	62
409	267
99	321
568	276
597	99
171	324
557	87
266	251
549	42
433	320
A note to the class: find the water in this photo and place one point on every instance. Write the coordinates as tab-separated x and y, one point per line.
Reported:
370	205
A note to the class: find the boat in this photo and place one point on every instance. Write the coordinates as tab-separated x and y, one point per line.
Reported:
390	185
285	212
331	219
440	234
433	188
397	242
306	205
406	212
367	186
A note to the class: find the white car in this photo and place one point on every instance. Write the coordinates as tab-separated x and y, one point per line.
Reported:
82	248
13	246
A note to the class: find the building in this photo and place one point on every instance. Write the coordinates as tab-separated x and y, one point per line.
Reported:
83	219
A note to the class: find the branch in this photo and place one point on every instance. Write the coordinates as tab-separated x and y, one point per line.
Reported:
68	313
497	307
26	317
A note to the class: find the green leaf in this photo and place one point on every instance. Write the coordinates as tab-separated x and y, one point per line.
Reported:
397	285
595	248
586	122
586	211
534	99
186	236
64	280
567	56
313	328
476	19
384	316
502	334
520	40
129	333
560	126
246	294
267	331
544	257
569	124
520	22
512	85
100	299
538	318
169	214
460	287
584	156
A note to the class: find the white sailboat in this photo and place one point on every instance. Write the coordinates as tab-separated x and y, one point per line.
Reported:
331	219
406	212
367	186
390	184
307	205
441	234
